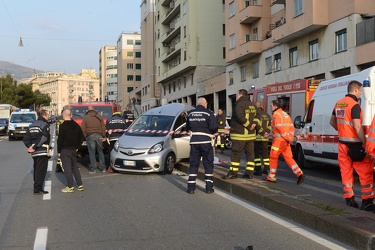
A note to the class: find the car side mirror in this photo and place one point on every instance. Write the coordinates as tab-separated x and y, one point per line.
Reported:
298	122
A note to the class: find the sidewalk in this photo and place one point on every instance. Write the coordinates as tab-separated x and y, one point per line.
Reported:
346	224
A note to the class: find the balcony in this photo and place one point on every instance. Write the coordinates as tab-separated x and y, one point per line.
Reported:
171	14
171	34
250	14
273	2
244	51
172	53
314	17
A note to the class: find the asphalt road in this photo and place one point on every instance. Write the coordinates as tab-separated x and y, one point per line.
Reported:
122	211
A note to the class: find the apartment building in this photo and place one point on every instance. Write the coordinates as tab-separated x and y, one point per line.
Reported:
189	48
150	91
108	73
129	70
66	88
270	41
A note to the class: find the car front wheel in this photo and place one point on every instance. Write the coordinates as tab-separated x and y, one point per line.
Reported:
169	163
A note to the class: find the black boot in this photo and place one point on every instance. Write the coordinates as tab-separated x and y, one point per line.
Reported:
231	175
351	202
248	174
368	205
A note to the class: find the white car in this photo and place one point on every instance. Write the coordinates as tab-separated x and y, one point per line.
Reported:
155	141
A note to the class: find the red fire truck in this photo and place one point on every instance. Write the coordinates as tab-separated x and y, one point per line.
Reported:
105	109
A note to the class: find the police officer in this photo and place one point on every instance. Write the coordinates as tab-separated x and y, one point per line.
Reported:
261	142
244	123
37	139
202	124
347	120
115	127
220	119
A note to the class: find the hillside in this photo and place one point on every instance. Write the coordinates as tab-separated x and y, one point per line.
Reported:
18	72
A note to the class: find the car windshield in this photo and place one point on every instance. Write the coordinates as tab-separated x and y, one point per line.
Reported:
104	111
28	118
155	124
3	120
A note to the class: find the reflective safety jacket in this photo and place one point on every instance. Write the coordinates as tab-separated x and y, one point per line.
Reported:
244	115
345	126
115	127
202	124
265	125
38	136
282	125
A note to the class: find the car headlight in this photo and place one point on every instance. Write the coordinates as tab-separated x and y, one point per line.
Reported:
11	127
2	127
115	147
156	148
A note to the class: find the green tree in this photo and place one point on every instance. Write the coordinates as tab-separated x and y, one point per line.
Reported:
21	95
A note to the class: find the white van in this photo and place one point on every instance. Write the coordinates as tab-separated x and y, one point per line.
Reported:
19	122
316	139
155	141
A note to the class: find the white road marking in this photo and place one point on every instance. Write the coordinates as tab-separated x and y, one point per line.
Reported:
320	240
47	187
40	242
49	168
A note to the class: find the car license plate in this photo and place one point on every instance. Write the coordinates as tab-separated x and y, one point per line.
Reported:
129	163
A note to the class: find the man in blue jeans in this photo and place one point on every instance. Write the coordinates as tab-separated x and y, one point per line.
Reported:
93	129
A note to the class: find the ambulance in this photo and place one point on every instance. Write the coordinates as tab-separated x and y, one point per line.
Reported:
316	139
19	123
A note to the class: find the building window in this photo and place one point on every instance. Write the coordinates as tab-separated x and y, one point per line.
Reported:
224	29
314	52
138	78
255	34
174	86
130	89
169	88
293	57
130	77
158	70
232	40
129	53
184	82
165	89
138	54
247	3
224	52
184	31
277	59
341	44
138	66
192	79
243	73
256	69
231	9
129	42
184	55
137	42
129	66
247	38
268	65
298	7
231	78
184	8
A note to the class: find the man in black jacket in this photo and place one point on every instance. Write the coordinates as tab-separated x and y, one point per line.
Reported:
37	139
202	124
70	140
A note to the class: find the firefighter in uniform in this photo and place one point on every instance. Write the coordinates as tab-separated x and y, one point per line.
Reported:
244	123
347	120
283	135
37	140
202	125
220	119
115	127
261	142
128	116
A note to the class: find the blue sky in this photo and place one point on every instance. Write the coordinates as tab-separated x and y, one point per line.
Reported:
63	35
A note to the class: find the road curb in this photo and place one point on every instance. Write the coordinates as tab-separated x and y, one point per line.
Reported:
348	225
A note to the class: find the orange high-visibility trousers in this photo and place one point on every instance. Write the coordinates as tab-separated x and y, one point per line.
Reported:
364	169
281	146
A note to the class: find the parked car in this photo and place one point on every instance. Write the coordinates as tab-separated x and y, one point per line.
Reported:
155	141
52	119
3	126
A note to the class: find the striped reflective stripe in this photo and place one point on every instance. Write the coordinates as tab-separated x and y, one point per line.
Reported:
367	193
348	192
274	148
345	122
371	139
209	174
284	125
347	185
372	130
367	186
200	142
192	174
192	182
345	139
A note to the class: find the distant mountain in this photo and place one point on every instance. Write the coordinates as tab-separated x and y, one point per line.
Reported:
18	72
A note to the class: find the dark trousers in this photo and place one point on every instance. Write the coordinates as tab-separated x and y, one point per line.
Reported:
261	150
40	171
237	150
69	161
206	152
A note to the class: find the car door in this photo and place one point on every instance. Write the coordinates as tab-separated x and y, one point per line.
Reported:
181	137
